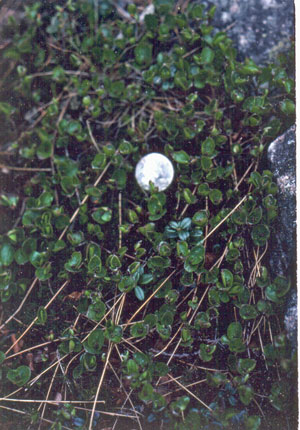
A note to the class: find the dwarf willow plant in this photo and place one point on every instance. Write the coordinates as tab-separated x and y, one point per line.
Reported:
99	278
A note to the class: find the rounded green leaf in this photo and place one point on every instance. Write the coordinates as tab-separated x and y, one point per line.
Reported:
260	234
246	365
6	254
207	55
19	376
143	53
196	255
248	312
208	147
102	215
181	157
234	331
99	161
206	352
139	293
227	278
139	329
215	196
96	311
94	342
200	218
245	393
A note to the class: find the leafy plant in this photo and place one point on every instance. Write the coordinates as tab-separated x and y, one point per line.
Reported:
109	292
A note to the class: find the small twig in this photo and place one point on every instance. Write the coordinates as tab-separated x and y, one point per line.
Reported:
149	298
190	392
26	169
26	413
110	347
34	320
21	304
244	175
84	201
53	402
187	205
92	136
225	218
120	219
47	396
127	398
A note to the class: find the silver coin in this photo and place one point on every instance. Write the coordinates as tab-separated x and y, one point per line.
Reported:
154	167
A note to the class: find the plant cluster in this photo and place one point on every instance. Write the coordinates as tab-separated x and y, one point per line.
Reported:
162	297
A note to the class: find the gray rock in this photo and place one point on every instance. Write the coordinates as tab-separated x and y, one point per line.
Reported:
260	29
282	160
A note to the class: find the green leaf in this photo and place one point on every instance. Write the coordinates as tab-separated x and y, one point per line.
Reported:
282	286
74	262
147	392
252	423
44	273
260	234
75	238
113	262
2	357
151	22
74	128
95	265
215	196
180	405
158	262
227	278
96	311
143	53
196	255
206	352
113	332
246	394
44	150
208	147
239	217
207	55
206	163
139	293
37	259
189	196
102	215
41	315
202	321
89	362
95	341
248	312
234	331
126	284
139	329
287	106
181	157
6	109
19	376
6	254
254	216
245	365
203	189
99	161
59	245
279	397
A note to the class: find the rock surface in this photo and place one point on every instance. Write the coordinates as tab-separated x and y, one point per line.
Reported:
260	28
282	160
